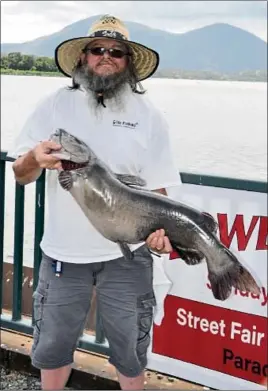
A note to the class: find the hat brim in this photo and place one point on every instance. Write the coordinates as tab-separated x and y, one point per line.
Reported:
68	52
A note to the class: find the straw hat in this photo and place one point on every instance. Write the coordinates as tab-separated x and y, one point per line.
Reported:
68	52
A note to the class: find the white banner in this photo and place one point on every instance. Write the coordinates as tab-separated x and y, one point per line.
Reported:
222	345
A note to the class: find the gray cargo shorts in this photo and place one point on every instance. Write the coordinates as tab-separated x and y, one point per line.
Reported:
125	298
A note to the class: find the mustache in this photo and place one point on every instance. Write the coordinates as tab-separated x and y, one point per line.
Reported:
106	61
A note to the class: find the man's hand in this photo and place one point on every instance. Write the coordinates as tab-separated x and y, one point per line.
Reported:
28	167
159	243
42	155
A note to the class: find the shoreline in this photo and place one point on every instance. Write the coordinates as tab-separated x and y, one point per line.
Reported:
194	76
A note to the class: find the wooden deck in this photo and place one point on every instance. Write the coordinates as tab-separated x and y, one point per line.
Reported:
90	371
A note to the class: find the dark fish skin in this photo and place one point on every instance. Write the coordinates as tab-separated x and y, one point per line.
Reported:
126	214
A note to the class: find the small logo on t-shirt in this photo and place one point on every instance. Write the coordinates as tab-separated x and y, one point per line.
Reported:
125	124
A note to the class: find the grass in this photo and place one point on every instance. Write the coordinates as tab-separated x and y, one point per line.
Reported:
29	73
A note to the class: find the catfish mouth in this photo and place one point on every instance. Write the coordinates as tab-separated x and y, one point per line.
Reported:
68	165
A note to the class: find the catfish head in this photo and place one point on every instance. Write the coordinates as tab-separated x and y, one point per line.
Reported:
74	153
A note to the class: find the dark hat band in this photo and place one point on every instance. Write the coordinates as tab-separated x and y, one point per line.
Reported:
108	34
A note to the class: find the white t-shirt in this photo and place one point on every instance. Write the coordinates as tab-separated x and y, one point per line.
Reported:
133	140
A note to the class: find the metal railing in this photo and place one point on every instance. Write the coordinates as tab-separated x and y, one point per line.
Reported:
15	321
94	343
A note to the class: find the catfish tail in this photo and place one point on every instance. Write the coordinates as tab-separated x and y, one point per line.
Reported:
231	273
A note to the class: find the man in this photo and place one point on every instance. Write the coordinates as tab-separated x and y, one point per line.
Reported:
105	109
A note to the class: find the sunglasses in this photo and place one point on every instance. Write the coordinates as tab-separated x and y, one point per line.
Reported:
99	51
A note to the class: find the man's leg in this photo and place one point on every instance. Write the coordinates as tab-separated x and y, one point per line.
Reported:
55	379
125	298
128	383
61	305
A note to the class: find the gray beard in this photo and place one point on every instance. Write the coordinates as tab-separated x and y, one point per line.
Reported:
112	87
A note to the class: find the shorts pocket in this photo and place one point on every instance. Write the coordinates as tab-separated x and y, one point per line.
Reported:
143	257
145	319
38	309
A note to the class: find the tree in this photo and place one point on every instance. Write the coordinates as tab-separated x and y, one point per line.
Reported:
26	63
14	59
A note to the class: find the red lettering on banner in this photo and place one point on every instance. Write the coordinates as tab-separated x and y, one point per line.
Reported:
263	234
223	340
238	228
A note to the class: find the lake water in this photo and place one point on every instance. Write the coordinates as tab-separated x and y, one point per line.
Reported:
217	128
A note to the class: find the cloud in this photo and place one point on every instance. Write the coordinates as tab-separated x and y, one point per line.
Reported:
172	9
26	20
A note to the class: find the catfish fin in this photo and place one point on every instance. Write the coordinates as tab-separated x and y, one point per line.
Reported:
130	180
231	274
125	250
210	223
189	256
65	180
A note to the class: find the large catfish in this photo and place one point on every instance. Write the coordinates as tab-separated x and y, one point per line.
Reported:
125	213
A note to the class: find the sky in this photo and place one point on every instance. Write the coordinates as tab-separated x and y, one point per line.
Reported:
26	20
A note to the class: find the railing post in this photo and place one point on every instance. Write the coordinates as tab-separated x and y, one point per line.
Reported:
2	225
18	252
39	224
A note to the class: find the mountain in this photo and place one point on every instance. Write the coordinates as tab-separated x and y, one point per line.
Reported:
218	47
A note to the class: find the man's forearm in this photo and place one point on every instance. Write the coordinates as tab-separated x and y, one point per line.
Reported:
26	169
